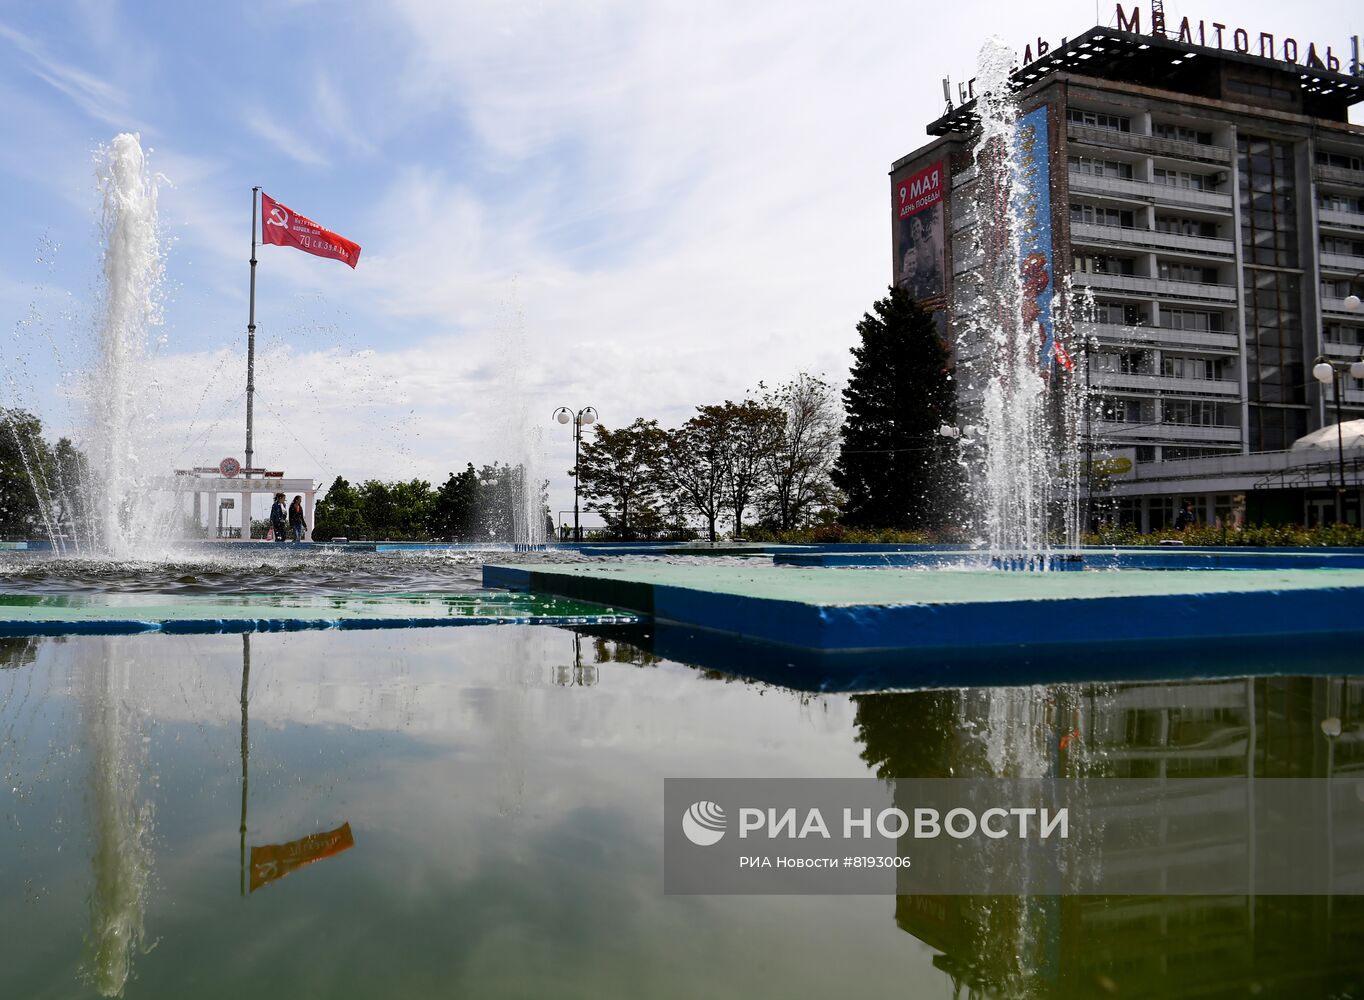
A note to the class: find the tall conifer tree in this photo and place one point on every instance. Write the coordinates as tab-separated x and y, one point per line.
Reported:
894	469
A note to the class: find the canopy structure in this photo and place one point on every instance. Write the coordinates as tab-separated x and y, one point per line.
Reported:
1329	439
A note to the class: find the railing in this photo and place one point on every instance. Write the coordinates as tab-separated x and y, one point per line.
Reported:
1156	286
1338	350
1332	305
1338	175
1227	343
1165	432
1176	148
1338	217
1089	231
1342	262
1149	191
1167	383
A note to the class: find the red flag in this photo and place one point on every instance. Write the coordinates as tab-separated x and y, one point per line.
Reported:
284	227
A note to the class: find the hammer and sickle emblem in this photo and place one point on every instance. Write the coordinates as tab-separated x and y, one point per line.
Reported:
278	217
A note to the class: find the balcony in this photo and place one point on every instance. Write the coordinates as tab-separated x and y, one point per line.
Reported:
1086	232
1337	306
1338	175
1156	286
1093	136
1169	433
1349	352
1118	334
1345	263
1335	219
1167	384
1163	194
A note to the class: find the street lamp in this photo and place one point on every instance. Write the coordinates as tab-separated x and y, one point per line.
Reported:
1329	372
587	415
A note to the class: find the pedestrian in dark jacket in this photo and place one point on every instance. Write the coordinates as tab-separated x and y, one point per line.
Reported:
279	520
296	523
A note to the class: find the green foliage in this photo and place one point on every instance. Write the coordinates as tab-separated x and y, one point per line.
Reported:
1252	535
455	510
798	467
892	467
620	475
23	451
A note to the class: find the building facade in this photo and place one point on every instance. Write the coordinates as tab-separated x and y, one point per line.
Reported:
1207	212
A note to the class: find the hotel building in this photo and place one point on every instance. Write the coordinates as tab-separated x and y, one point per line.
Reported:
1211	201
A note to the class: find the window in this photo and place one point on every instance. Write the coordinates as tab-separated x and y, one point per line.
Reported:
1104	264
1099	119
1340	333
1350	248
1183	179
1192	319
1146	453
1211	369
1187	272
1186	227
1174	453
1126	362
1326	158
1121	410
1093	167
1335	289
1097	215
1119	313
1180	133
1191	412
1332	202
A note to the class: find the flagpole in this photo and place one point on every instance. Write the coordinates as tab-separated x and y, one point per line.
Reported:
251	344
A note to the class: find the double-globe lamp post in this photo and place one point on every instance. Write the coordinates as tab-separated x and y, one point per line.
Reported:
1329	372
587	415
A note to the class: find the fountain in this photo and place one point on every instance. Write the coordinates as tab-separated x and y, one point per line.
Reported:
1031	397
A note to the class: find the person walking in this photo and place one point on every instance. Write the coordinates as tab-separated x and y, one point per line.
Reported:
278	518
296	523
1185	517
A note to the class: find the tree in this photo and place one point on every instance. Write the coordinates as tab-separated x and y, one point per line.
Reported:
338	513
798	467
620	474
454	513
891	466
693	466
751	433
27	476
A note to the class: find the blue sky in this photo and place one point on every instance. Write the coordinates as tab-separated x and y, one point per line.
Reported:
643	206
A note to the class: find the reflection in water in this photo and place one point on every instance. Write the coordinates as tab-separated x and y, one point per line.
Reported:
120	819
1157	946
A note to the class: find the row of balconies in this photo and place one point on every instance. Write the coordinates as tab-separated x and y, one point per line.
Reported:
1179	433
1177	148
1115	333
1164	194
1166	383
1157	286
1088	232
1338	175
1346	263
1333	218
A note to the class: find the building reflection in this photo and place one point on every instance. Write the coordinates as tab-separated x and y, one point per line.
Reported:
1132	946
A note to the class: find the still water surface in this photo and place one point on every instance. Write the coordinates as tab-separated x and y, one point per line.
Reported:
485	810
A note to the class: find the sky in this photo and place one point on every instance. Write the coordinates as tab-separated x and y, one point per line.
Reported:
639	205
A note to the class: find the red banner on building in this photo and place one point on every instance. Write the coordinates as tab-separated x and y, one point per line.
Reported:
284	227
918	191
919	248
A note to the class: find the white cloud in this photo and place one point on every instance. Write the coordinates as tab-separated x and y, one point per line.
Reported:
286	139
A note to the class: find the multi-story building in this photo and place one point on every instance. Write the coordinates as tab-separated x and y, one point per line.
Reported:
1211	204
